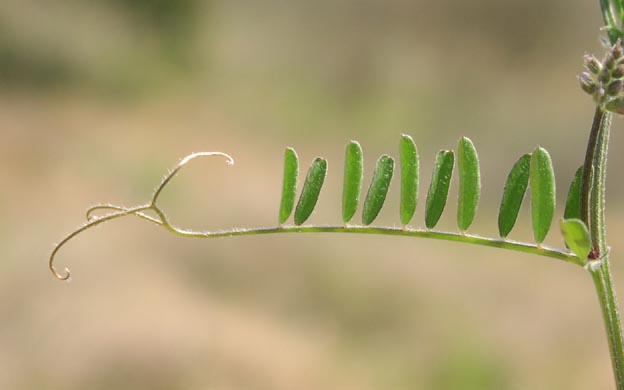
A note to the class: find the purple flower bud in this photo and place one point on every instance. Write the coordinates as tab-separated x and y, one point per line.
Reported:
615	87
592	64
587	83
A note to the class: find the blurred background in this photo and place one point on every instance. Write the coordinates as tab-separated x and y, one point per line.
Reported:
99	98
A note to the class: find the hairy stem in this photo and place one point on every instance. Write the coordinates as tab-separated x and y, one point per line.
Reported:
610	314
593	211
588	166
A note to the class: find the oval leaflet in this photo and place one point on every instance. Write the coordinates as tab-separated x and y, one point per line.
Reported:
469	183
439	187
573	201
289	185
378	189
576	237
311	190
409	178
352	180
542	193
513	194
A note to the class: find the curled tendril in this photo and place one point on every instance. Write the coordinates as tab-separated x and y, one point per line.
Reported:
180	165
94	222
120	211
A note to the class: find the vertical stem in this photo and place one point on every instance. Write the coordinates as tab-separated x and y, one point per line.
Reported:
610	21
613	326
597	197
588	166
607	13
610	316
592	212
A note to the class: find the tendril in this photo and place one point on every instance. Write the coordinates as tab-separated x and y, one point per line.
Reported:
120	211
86	226
89	213
180	165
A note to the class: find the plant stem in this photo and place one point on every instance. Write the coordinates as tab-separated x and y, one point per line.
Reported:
610	314
607	13
592	212
588	166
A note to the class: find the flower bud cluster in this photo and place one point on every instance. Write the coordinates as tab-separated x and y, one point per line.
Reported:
604	80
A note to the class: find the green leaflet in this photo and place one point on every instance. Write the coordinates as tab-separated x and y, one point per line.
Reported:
469	183
289	185
513	194
378	189
409	178
439	187
352	180
311	190
542	193
573	202
576	236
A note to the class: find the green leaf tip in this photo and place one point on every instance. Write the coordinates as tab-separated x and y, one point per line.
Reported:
378	189
513	194
353	169
576	236
289	184
311	190
573	201
439	187
542	180
469	183
409	178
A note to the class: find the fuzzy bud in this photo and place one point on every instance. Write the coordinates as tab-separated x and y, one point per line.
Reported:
592	64
604	76
600	95
616	105
617	50
615	87
587	83
618	72
609	61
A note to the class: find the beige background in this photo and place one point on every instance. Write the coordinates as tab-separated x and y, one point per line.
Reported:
99	99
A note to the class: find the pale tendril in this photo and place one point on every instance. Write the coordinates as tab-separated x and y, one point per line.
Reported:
120	211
